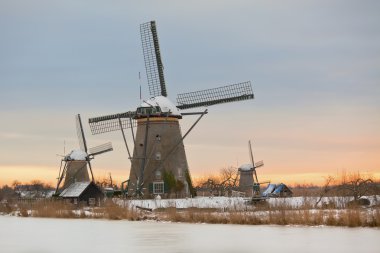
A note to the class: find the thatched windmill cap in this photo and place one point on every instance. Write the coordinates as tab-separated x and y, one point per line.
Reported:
246	167
77	155
164	103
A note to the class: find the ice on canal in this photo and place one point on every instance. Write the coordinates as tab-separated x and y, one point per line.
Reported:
87	235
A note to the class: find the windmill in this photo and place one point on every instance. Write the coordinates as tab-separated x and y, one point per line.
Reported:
75	163
249	182
158	163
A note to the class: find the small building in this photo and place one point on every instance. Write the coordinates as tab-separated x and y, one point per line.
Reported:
279	190
87	192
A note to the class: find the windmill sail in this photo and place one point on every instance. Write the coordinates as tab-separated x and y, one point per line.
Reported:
101	149
80	133
109	123
152	57
259	164
252	160
225	94
251	153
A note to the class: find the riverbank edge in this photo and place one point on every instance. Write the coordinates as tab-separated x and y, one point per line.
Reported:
280	215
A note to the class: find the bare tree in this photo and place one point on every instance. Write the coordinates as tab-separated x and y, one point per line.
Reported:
356	185
229	177
325	189
16	184
7	192
219	184
212	184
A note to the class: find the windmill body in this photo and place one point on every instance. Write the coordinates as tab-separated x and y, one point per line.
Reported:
246	179
77	162
248	182
158	126
76	168
158	163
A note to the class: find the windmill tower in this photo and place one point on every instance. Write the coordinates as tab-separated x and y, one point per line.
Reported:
158	163
75	163
249	182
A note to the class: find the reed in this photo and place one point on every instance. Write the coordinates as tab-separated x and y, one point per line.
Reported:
53	209
281	215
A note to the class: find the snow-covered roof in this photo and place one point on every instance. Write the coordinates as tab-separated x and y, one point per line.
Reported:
74	190
269	190
77	155
246	167
164	103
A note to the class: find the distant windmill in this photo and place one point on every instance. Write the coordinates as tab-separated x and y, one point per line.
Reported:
159	163
249	182
75	163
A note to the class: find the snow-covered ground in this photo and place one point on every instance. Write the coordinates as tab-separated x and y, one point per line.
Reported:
237	203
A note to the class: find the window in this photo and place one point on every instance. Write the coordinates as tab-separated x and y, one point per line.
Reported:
158	187
91	201
180	172
158	138
158	156
158	175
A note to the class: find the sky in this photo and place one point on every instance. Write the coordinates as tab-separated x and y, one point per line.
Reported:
314	67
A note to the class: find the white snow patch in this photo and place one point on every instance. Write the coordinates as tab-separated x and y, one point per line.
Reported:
199	202
237	203
74	190
246	167
164	103
78	155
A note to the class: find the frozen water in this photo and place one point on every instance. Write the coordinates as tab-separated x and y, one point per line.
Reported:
85	235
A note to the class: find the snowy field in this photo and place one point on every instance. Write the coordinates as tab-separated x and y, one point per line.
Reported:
81	235
236	203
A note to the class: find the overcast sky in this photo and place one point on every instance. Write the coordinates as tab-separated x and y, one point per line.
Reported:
314	66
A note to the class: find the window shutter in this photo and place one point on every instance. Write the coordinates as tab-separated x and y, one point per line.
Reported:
150	187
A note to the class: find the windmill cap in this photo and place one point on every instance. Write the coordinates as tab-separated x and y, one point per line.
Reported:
77	155
164	103
246	167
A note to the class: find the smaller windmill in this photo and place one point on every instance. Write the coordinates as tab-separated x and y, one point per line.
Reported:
73	166
249	182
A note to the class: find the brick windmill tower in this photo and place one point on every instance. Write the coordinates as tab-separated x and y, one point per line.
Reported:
248	181
158	164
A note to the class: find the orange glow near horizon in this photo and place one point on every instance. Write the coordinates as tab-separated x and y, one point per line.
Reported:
26	174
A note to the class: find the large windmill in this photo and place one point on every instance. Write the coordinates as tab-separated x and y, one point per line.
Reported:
75	163
248	182
158	163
